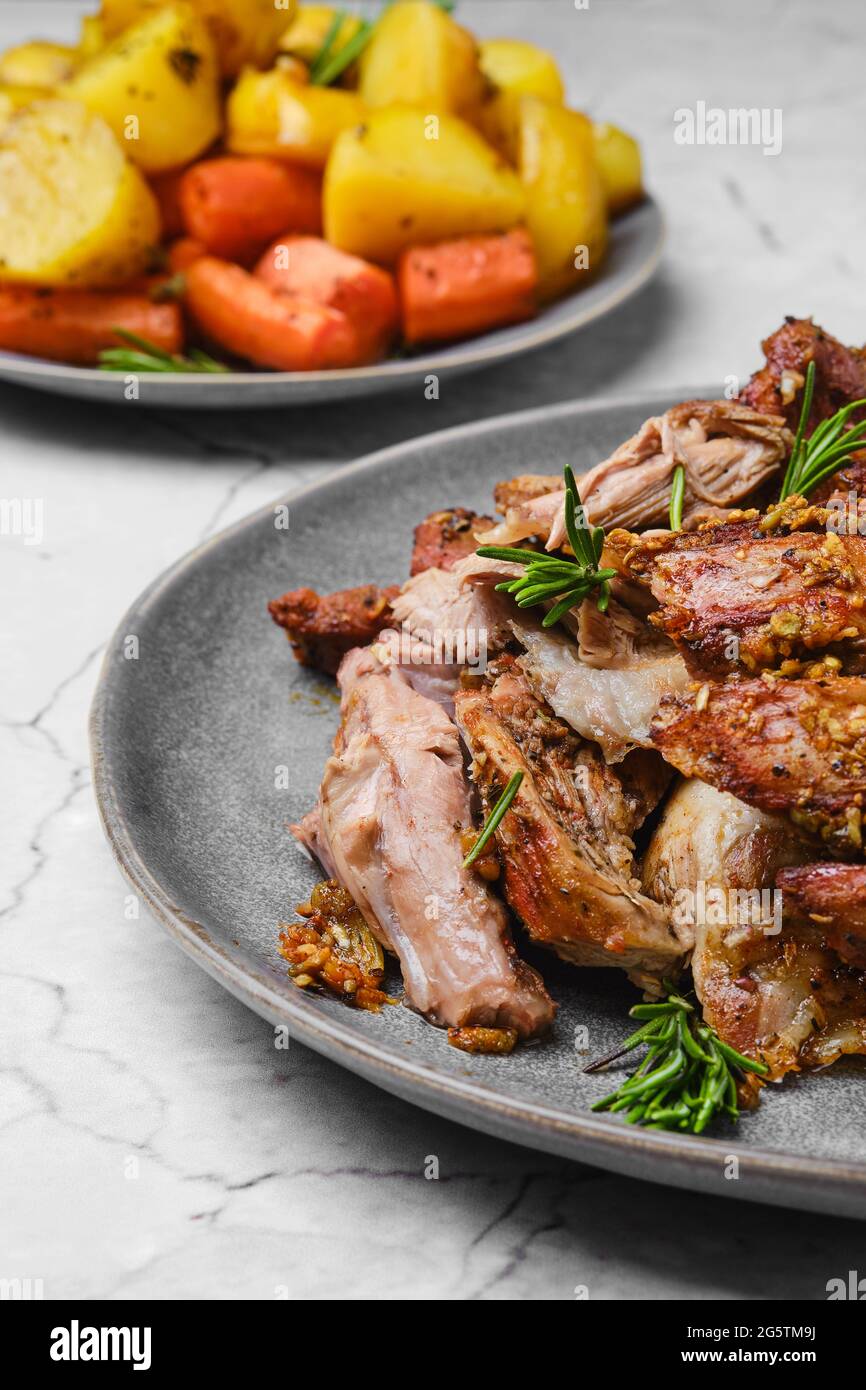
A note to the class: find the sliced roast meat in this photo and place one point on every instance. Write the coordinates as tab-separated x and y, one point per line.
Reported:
323	627
392	803
779	593
728	451
840	373
445	537
525	488
833	898
796	747
566	841
442	624
769	987
608	686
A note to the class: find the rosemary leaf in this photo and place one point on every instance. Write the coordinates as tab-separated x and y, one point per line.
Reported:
547	577
687	1077
678	489
830	445
489	827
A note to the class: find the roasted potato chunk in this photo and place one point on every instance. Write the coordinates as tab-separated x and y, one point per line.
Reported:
404	178
270	113
157	86
37	64
91	37
566	205
13	98
510	65
73	209
619	162
244	31
419	56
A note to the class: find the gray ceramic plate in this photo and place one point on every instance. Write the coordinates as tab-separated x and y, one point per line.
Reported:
636	247
186	741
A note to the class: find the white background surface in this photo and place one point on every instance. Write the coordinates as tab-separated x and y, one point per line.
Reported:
260	1170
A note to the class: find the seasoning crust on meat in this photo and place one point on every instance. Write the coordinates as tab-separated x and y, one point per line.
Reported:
572	739
322	628
775	593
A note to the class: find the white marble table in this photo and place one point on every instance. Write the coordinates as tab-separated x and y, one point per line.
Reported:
152	1142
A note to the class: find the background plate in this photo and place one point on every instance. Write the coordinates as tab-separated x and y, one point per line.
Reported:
635	249
186	742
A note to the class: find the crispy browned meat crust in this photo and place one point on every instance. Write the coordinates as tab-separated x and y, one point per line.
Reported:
833	898
490	1041
792	746
524	488
840	373
770	986
746	996
445	537
323	627
778	592
334	949
565	842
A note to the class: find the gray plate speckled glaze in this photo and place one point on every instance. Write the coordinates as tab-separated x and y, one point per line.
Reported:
186	741
636	245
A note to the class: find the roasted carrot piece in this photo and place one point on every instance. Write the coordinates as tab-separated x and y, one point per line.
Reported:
183	252
235	205
248	318
166	187
307	267
75	325
457	288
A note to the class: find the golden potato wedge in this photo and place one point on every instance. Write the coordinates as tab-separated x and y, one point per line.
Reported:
244	31
157	86
73	209
13	97
510	65
403	178
271	113
37	64
566	206
619	162
91	37
419	56
309	29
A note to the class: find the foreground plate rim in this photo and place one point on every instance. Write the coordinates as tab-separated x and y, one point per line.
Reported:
773	1176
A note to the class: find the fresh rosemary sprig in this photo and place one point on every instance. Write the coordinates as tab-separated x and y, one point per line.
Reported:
678	489
144	356
489	827
688	1075
828	447
327	66
556	576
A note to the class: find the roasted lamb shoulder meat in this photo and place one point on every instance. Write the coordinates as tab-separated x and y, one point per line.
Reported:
444	537
770	987
608	684
833	898
780	593
393	799
727	450
442	624
322	628
840	373
795	747
566	841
